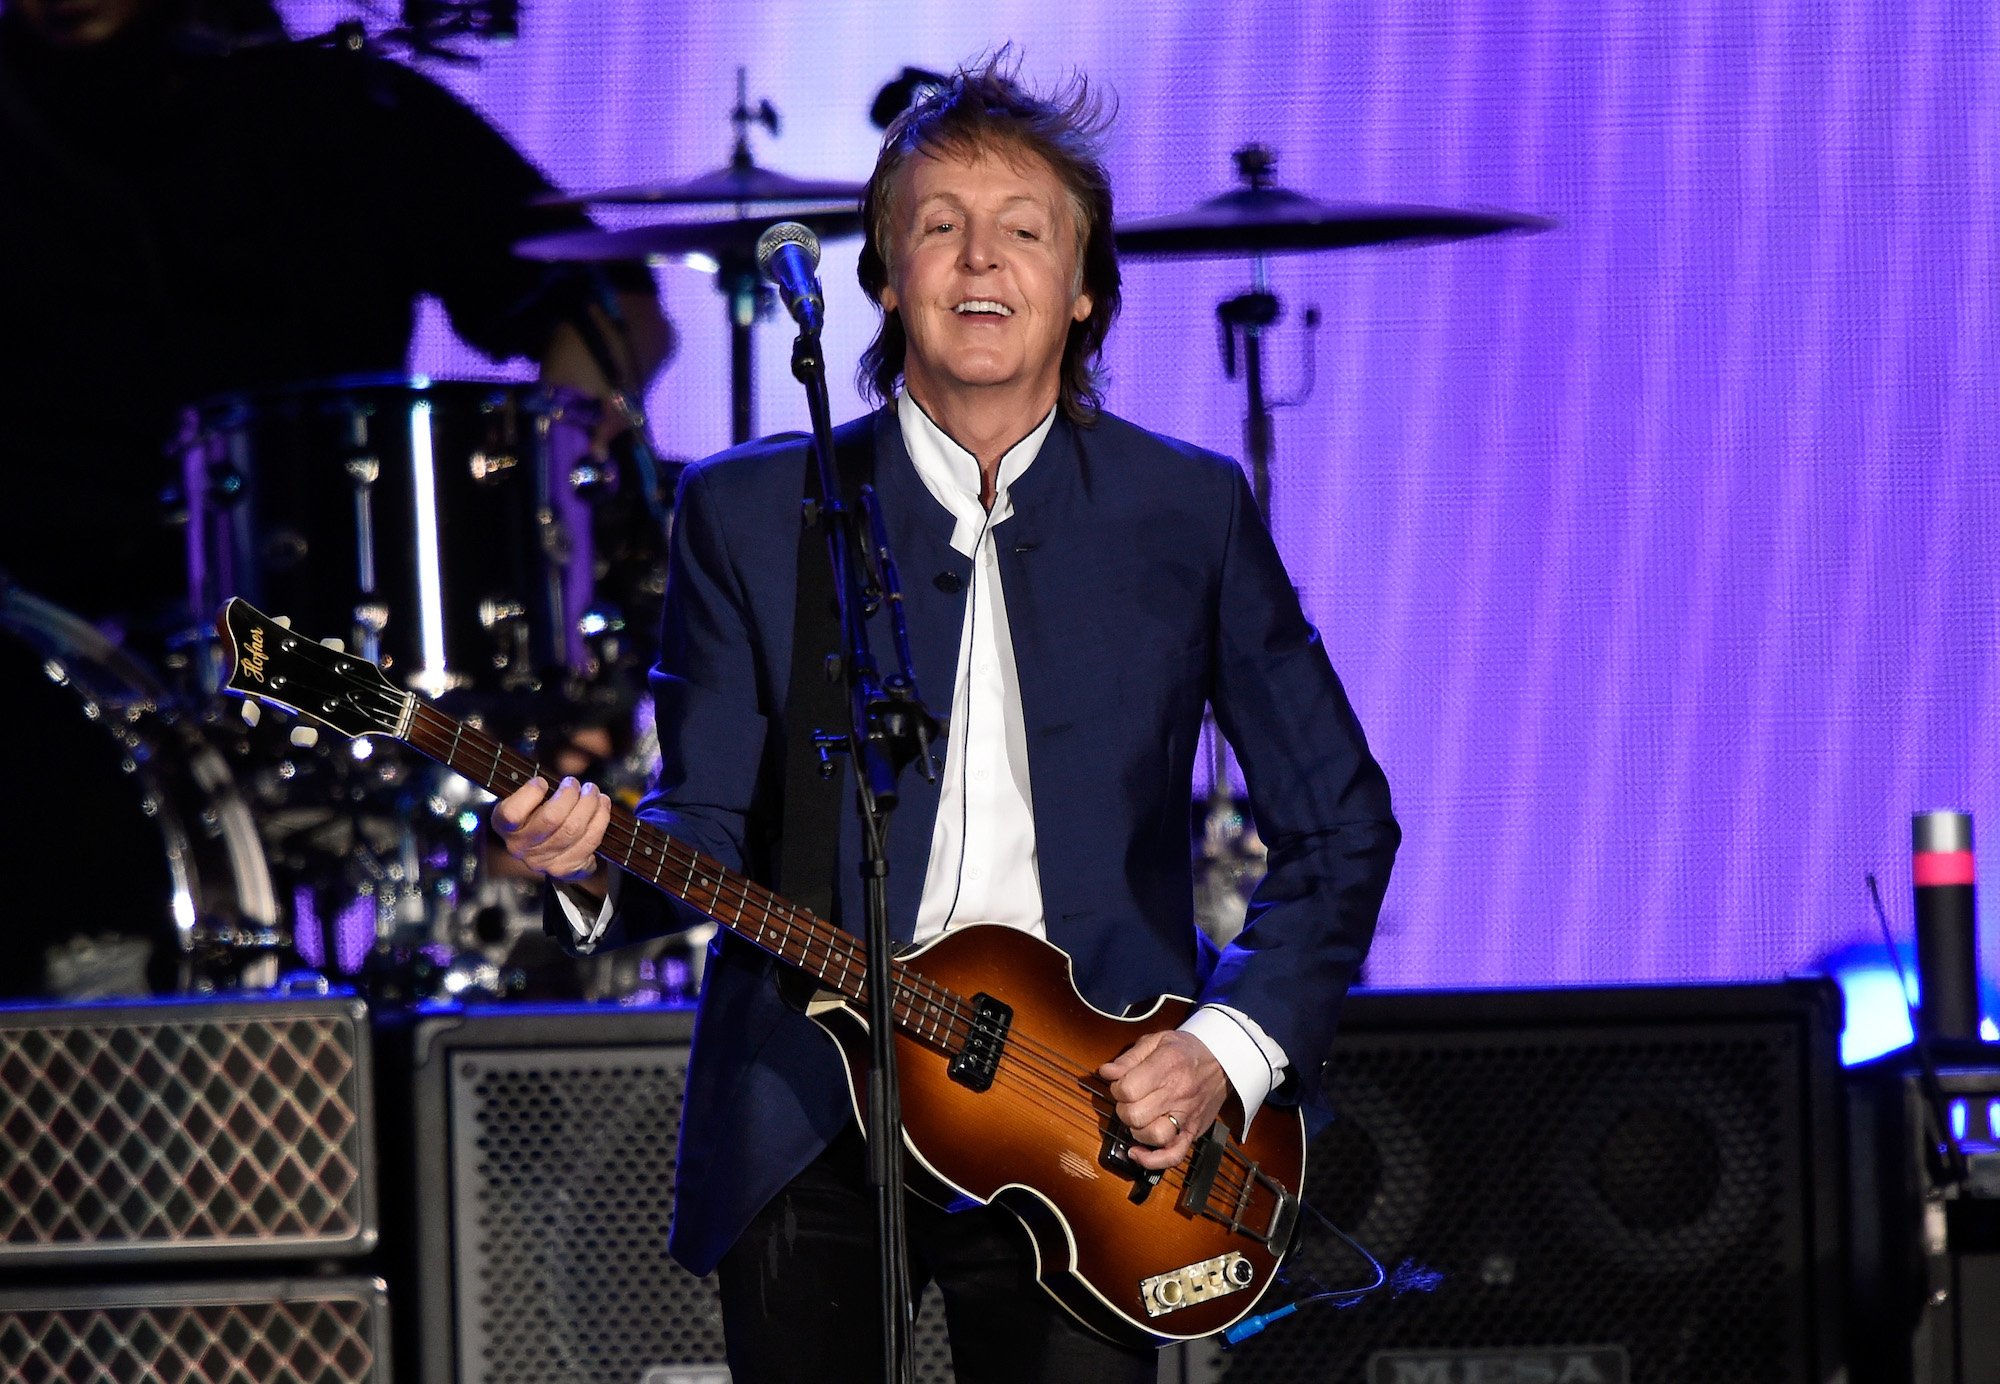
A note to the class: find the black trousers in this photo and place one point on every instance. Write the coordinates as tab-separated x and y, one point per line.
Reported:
800	1296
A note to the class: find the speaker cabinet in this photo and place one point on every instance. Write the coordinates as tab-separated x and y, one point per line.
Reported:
298	1331
1633	1184
1926	1229
185	1131
546	1139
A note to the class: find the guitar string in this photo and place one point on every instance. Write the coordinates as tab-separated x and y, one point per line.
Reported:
947	1007
1057	1069
1056	1073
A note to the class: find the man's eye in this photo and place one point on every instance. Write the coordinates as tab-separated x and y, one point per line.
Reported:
937	226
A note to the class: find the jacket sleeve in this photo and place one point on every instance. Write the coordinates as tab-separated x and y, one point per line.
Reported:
1320	801
712	726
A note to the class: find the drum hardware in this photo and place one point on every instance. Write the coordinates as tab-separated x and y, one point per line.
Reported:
728	247
740	182
379	853
491	466
403	510
140	870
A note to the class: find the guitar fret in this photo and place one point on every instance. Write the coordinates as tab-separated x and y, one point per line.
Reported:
451	755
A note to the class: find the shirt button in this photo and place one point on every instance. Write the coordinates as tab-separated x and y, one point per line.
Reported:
986	665
981	775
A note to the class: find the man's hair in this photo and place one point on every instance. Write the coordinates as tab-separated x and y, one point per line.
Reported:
985	109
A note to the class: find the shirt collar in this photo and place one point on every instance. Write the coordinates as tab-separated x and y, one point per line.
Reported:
951	473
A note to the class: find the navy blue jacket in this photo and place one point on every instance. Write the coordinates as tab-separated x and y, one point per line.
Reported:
1141	584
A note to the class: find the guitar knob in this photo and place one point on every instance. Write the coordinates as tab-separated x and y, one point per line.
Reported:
1241	1271
339	646
305	737
283	622
253	712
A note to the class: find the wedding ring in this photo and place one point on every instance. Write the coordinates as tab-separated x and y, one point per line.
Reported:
1173	1121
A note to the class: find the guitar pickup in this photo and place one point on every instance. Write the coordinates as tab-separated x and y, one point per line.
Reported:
975	1063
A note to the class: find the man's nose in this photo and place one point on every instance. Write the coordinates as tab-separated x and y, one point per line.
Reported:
981	248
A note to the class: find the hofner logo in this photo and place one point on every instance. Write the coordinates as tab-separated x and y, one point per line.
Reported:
253	654
1557	1365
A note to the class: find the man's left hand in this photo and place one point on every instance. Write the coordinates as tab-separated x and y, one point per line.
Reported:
1169	1089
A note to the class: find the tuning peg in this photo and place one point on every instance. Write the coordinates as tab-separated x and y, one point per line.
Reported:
305	737
339	646
253	712
283	622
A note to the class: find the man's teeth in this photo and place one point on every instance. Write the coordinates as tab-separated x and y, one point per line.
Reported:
984	305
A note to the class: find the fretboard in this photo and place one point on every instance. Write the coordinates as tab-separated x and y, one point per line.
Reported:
792	934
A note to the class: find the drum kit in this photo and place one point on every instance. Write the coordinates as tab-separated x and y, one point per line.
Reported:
450	531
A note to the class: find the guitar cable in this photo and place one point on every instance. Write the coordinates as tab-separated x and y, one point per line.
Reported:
1409	1277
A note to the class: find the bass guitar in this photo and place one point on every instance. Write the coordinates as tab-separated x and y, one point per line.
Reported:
997	1052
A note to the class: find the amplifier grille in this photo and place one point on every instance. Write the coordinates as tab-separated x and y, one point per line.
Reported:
212	1334
561	1183
164	1131
1612	1185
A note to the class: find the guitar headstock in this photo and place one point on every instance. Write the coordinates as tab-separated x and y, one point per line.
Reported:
272	664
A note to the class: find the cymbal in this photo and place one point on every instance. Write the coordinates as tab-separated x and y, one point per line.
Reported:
1273	220
732	239
735	182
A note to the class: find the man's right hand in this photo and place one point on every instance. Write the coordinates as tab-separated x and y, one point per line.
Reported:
556	834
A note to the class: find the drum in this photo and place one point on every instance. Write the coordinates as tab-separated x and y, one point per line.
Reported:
133	864
436	527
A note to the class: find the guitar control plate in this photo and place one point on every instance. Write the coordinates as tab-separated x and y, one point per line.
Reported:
1211	1278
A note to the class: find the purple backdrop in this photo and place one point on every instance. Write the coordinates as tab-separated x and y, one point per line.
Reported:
1661	553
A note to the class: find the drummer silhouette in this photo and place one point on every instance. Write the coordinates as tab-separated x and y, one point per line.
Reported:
191	203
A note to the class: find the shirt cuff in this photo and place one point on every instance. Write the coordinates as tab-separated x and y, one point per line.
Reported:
586	917
1253	1063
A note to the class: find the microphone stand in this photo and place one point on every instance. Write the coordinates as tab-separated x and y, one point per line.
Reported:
888	728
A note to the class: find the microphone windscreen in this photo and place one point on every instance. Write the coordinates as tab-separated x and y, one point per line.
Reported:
786	233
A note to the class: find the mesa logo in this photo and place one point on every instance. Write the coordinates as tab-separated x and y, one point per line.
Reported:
1517	1365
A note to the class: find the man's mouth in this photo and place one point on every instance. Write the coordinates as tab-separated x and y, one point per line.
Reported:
983	307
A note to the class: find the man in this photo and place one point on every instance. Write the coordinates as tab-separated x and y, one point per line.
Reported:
190	205
1096	586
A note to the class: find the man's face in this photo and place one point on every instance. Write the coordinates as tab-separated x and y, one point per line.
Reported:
79	23
983	268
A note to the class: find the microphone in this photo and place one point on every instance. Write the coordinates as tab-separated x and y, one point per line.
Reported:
788	255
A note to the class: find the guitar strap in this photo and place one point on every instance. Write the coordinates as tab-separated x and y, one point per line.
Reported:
816	696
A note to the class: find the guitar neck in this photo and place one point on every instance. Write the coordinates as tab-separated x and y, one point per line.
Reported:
790	933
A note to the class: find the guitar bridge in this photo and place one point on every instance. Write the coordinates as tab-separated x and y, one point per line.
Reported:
975	1063
1199	1190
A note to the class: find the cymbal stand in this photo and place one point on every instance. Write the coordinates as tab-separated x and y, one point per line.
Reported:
737	277
1249	315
